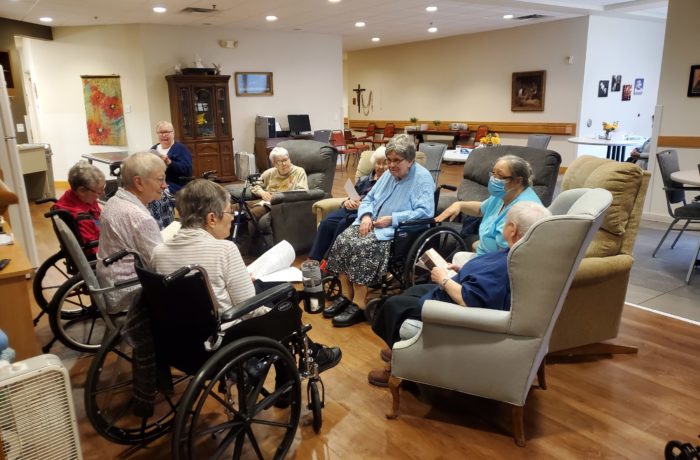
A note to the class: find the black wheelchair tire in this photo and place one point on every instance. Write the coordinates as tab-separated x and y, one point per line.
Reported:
332	287
80	314
438	237
228	371
316	405
41	297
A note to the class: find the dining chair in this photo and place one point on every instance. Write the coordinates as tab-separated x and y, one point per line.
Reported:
675	194
385	136
369	134
433	157
338	141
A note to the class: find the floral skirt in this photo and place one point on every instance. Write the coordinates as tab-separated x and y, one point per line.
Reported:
363	259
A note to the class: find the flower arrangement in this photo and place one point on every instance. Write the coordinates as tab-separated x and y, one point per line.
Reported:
436	123
608	128
490	139
413	120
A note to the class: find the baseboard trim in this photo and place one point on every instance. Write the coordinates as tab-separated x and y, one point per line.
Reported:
663	313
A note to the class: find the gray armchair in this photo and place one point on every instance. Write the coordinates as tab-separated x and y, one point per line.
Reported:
291	217
497	354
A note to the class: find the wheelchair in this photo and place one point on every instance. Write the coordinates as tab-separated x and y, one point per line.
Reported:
222	387
411	240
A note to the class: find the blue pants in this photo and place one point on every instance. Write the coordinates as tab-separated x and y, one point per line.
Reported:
329	229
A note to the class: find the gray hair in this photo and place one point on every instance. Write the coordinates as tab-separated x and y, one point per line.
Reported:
197	199
524	214
160	124
403	146
519	168
84	174
141	164
278	152
379	154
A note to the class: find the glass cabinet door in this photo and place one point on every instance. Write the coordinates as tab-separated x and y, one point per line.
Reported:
204	112
185	113
222	111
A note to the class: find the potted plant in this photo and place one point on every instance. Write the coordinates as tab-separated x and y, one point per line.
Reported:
436	123
413	126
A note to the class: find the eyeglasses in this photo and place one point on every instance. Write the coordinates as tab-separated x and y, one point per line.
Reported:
498	176
96	192
164	132
394	162
282	161
231	213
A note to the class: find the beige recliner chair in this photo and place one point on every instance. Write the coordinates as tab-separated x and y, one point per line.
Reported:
496	354
593	307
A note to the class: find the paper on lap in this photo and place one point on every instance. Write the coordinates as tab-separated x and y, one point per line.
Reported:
350	190
275	264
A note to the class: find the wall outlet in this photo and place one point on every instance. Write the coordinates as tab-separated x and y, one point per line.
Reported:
20	127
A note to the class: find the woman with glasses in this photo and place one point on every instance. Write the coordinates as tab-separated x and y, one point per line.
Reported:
510	182
360	255
87	184
176	156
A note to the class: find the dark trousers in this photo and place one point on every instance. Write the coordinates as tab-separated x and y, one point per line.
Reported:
328	230
398	309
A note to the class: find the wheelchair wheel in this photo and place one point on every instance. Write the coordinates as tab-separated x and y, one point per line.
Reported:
444	240
48	278
332	287
74	320
109	399
245	401
372	307
315	404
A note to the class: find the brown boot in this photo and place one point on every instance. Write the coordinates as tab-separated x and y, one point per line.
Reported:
380	377
385	354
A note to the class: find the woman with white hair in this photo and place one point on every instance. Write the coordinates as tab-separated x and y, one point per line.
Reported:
337	221
282	177
127	224
175	155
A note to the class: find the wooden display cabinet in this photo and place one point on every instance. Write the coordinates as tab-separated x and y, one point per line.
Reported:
201	116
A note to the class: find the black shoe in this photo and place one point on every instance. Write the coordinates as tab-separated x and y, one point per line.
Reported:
351	315
337	307
326	357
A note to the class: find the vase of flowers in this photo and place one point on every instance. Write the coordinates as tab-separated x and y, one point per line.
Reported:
436	123
490	140
608	128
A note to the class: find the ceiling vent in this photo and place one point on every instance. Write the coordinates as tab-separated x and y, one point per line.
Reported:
531	16
191	9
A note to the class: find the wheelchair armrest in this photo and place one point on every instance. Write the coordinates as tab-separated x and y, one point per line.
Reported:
45	200
268	297
237	192
417	222
297	195
91	244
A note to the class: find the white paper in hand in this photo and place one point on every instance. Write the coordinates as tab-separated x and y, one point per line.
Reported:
350	190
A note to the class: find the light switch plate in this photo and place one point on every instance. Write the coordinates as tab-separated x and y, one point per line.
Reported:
20	127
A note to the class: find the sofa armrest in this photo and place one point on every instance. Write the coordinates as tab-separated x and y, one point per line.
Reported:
236	191
480	319
323	207
297	195
593	269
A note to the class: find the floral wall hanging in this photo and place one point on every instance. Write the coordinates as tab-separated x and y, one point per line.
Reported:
104	110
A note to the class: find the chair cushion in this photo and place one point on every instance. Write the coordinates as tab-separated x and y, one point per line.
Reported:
691	210
623	180
317	159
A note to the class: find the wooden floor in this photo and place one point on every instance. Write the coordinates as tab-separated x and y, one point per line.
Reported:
625	406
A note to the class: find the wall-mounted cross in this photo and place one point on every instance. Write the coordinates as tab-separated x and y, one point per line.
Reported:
359	98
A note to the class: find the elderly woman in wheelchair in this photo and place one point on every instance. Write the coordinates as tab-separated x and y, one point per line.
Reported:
360	255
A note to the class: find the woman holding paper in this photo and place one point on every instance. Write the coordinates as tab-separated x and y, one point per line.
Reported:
205	214
360	255
337	221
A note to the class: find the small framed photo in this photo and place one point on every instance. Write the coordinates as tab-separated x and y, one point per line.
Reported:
616	83
253	83
694	81
626	92
527	91
603	88
638	86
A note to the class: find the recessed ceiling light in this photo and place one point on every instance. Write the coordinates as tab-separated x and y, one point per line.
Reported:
507	16
360	24
375	39
334	1
46	19
432	29
271	18
159	9
431	9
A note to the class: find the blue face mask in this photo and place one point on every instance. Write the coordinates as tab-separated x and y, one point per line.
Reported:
497	187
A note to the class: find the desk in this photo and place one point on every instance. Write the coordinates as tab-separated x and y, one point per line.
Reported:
689	177
419	133
15	312
616	148
108	158
456	157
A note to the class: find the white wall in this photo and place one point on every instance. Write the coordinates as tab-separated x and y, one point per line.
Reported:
633	49
468	77
307	77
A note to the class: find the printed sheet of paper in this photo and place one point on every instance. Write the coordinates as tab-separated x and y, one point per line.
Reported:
350	190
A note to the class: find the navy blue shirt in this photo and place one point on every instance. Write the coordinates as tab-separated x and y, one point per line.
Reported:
484	280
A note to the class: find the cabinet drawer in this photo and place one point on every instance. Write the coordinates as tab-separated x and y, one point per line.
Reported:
208	163
207	147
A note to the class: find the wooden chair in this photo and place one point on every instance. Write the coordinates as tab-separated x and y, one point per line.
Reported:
338	141
385	136
369	134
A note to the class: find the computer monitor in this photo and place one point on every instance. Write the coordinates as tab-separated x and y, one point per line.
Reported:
299	124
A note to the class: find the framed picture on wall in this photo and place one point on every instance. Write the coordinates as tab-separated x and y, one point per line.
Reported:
616	83
694	81
603	88
253	83
527	91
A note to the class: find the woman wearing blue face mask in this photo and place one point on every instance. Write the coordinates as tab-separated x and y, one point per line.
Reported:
510	182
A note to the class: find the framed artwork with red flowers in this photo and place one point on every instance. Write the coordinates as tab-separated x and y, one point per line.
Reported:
104	110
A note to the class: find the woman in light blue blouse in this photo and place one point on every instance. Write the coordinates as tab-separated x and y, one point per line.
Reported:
510	182
360	255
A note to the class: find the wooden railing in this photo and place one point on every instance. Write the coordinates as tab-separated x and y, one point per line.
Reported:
557	129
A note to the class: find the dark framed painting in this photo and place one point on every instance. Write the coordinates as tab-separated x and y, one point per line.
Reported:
694	81
603	88
527	91
253	83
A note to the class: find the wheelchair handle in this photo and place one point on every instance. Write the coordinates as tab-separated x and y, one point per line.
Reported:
58	212
46	200
110	259
449	187
176	275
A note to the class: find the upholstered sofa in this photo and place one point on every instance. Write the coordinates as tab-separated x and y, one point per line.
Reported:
593	307
291	217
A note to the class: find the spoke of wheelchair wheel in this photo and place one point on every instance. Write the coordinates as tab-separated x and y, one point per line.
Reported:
117	386
254	442
255	391
227	426
267	402
240	438
219	399
270	423
120	414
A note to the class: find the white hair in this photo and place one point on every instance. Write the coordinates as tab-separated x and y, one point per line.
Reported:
278	152
524	214
379	154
